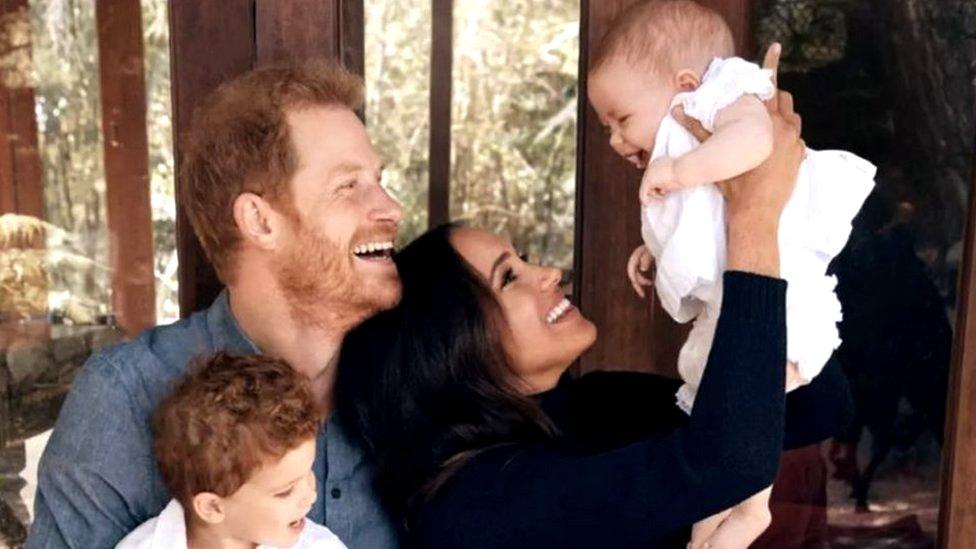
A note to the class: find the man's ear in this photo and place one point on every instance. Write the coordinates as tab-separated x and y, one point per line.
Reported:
686	80
257	220
209	507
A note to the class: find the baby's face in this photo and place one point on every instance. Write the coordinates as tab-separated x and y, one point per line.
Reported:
270	507
631	102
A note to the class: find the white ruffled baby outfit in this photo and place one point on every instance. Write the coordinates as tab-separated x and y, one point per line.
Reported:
685	232
168	531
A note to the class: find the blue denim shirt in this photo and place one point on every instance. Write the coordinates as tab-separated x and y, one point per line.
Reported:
98	479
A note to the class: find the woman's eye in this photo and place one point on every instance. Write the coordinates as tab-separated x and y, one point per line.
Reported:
348	184
508	277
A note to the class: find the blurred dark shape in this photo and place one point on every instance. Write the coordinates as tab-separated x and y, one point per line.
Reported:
896	345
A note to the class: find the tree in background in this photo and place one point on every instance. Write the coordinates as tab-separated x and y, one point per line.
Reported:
513	156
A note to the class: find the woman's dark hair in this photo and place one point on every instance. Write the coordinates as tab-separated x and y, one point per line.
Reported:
424	385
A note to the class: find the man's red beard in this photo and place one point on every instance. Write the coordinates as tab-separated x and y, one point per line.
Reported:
322	287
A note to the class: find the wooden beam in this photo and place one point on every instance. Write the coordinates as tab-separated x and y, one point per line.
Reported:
296	29
127	194
21	184
352	39
634	334
441	74
210	43
957	513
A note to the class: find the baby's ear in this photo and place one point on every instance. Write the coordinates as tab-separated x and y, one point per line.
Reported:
686	80
209	507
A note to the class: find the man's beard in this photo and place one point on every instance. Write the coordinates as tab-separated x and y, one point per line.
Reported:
322	287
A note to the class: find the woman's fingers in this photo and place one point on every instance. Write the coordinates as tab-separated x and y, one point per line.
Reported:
786	104
690	124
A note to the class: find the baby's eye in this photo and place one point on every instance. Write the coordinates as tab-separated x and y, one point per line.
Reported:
624	120
285	494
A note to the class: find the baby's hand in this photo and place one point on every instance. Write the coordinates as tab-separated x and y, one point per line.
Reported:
659	178
640	261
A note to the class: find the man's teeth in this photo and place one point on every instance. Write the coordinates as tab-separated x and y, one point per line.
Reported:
558	311
372	247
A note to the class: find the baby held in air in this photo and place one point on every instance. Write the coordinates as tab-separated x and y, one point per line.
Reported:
665	54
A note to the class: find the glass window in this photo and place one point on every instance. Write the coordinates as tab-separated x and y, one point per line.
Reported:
888	81
397	79
513	149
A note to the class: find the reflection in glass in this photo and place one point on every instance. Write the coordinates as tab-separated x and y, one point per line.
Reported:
892	82
513	166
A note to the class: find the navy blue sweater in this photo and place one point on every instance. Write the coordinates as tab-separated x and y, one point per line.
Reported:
631	470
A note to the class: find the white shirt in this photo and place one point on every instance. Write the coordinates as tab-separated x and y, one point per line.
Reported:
685	232
168	531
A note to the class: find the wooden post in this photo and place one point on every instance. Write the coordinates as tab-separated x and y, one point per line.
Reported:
21	185
213	42
441	75
127	194
957	512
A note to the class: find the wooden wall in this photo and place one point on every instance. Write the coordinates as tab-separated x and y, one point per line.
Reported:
212	42
634	334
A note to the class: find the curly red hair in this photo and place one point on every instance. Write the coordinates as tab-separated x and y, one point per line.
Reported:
226	418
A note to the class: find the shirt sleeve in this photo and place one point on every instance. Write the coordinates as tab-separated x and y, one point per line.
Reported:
95	480
725	81
545	496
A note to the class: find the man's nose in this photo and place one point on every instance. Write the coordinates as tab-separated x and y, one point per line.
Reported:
385	207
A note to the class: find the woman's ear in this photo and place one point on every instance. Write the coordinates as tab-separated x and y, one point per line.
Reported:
686	80
257	220
209	507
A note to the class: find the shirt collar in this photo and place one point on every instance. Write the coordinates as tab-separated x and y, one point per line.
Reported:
224	329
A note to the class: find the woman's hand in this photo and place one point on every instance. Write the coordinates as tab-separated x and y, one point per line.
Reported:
755	200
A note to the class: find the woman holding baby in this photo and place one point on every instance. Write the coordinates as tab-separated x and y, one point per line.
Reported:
481	440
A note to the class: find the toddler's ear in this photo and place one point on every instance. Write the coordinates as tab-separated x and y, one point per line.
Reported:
209	507
686	80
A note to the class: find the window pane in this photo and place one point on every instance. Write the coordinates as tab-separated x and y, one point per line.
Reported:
155	30
397	101
514	122
864	80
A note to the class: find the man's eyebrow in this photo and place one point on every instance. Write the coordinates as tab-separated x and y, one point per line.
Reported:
501	259
345	168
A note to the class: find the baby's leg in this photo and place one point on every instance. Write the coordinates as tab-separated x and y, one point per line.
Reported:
703	529
746	522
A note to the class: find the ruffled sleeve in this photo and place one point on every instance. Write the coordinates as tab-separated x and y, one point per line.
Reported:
725	81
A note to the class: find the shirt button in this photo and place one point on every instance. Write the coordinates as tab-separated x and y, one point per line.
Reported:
336	493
